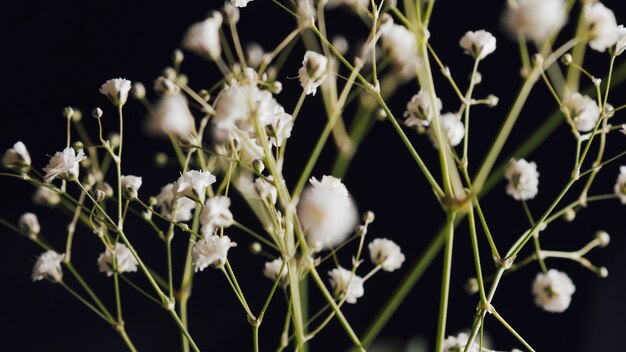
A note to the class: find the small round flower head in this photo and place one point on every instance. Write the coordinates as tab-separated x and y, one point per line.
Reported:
272	270
419	111
279	130
29	224
458	343
266	190
602	26
603	238
523	179
138	90
620	44
177	209
116	90
130	186
536	20
63	165
240	3
553	291
48	266
401	46
203	38
171	116
46	197
212	250
17	158
386	253
192	184
124	260
215	213
346	284
326	212
478	44
583	110
620	185
452	128
313	71
254	54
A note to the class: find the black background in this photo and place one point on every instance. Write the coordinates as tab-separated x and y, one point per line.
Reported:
58	53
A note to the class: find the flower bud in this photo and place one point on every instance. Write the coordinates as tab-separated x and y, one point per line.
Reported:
603	272
178	57
471	286
96	113
258	165
46	197
369	217
492	100
341	44
231	12
78	145
29	225
361	230
169	73
68	112
138	91
566	59
77	115
603	238
569	215
160	159
255	248
275	87
99	195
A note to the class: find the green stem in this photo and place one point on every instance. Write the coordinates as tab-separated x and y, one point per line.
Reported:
445	281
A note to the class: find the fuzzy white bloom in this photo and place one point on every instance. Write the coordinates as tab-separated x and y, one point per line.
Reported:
553	291
523	179
478	44
130	186
602	26
177	209
124	260
620	44
620	185
211	250
346	284
386	253
249	150
215	213
306	11
266	189
192	184
536	20
16	157
29	224
401	46
254	54
583	110
116	90
419	111
171	116
48	266
452	128
240	3
351	3
46	196
271	270
203	38
313	71
458	343
63	165
279	130
326	212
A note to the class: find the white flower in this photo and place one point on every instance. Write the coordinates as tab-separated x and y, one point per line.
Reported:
29	224
272	270
211	250
346	284
249	150
266	190
313	71
458	343
240	3
171	116
176	209
130	186
327	212
306	12
351	3
419	111
602	26
63	165
620	185
553	291
203	38
583	110
401	46
215	213
48	266
386	253
452	128
124	260
116	90
523	179
620	44
192	184
46	196
536	20
279	130
478	44
254	54
17	157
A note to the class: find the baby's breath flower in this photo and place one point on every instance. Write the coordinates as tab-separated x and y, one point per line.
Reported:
29	224
346	284
419	111
313	71
116	90
620	44
48	266
254	54
386	253
452	128
215	213
124	260
45	196
138	90
192	184
401	46
620	185
523	179
171	117
17	158
553	291
536	20
603	238
272	270
177	209
63	165
583	110
306	12
279	130
478	44
130	186
240	3
602	26
212	250
266	190
327	212
458	343
203	38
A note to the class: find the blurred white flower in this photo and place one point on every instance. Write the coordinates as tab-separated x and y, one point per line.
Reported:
254	54
313	71
240	3
620	44
171	116
116	90
203	38
63	165
523	179
602	26
177	209
536	20
583	110
45	196
306	11
215	213
327	212
478	44
620	185
124	260
401	46
419	111
453	129
17	157
29	224
211	250
192	184
266	189
130	186
458	343
386	253
279	130
271	270
351	3
553	291
48	266
345	284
